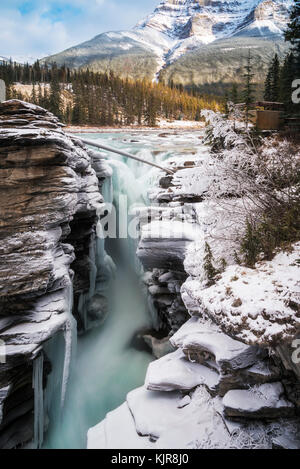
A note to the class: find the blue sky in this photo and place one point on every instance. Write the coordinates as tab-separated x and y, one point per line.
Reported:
35	28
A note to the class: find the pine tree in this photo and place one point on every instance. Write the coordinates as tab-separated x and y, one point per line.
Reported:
40	95
275	79
55	103
234	94
272	83
286	80
248	92
33	98
208	265
268	87
292	33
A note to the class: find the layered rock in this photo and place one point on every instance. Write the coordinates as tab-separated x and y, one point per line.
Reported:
48	215
164	241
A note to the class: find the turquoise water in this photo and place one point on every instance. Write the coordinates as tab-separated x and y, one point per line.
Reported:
108	363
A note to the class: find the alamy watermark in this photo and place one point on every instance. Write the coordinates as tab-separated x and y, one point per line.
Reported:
2	352
296	354
130	221
296	93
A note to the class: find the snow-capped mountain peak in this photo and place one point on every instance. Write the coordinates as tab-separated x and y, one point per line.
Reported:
178	27
190	23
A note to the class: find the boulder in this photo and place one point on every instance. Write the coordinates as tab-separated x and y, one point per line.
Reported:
262	402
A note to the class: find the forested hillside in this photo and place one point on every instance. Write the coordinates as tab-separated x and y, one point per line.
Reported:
88	98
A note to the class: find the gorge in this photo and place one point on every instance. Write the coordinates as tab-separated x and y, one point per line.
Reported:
219	381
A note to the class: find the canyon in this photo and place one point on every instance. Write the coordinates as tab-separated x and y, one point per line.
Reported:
223	375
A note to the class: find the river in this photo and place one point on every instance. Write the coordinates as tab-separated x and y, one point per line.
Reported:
109	361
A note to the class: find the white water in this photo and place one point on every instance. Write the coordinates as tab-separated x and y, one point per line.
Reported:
110	362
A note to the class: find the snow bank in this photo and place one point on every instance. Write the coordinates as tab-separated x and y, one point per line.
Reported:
257	306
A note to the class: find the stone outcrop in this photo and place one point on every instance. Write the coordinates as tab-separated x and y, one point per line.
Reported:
49	202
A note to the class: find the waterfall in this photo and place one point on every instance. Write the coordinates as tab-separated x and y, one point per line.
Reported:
112	359
107	190
37	384
61	352
156	321
85	298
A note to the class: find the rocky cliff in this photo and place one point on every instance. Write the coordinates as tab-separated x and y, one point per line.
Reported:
225	377
49	203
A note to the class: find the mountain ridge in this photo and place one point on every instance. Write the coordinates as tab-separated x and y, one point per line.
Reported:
177	28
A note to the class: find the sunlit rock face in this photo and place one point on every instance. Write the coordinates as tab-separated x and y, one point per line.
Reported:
49	201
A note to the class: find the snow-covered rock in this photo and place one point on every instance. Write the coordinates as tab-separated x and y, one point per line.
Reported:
196	397
166	420
158	415
47	187
258	306
175	372
204	341
265	401
163	244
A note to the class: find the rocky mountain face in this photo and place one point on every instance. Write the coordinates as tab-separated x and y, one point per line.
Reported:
49	202
224	377
172	41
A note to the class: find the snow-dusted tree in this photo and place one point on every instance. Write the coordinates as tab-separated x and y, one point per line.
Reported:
256	181
248	91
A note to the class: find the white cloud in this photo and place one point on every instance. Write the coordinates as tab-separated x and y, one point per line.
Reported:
38	32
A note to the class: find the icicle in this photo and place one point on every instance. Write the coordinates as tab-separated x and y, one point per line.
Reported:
85	298
70	336
107	190
93	268
83	304
37	384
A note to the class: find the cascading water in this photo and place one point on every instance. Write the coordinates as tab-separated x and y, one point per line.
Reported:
111	361
37	384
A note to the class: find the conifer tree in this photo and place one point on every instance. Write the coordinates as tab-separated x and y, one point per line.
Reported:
272	83
208	265
268	86
292	33
275	79
55	94
286	80
40	95
248	92
33	98
234	95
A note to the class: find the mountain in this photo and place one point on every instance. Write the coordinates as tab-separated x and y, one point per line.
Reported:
3	60
194	42
19	59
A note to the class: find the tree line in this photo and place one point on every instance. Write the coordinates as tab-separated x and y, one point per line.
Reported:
280	77
82	97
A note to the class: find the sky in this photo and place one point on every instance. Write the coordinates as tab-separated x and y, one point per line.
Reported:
37	28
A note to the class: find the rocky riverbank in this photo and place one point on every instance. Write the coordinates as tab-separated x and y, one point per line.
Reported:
225	377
